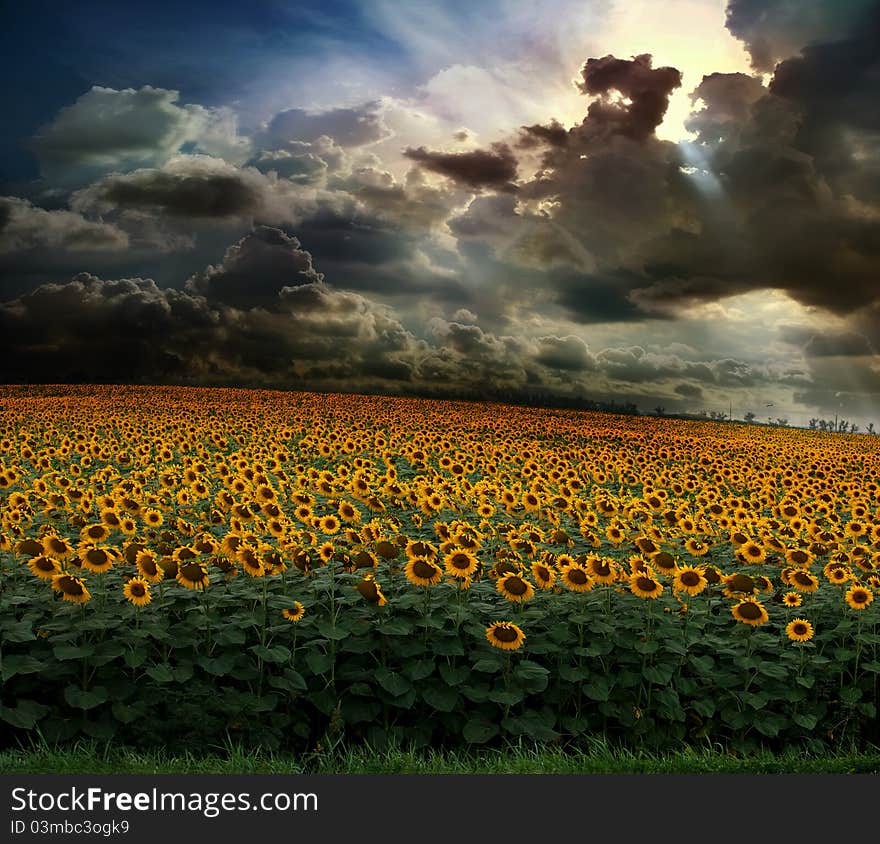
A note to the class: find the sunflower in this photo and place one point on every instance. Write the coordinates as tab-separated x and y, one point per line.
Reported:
696	547
837	573
44	567
148	566
858	597
329	525
96	559
294	613
250	560
737	584
799	557
803	581
97	532
750	611
505	635
515	588
643	585
371	590
460	563
544	575
799	630
422	572
601	569
193	575
792	599
689	579
71	588
752	552
577	578
137	591
57	546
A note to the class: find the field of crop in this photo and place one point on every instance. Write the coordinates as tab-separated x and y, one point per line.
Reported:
181	566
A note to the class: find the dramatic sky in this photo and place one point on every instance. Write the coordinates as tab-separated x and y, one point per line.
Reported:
671	204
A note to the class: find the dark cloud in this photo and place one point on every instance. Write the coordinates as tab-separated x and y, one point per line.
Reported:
566	353
187	195
777	29
553	134
646	88
347	127
255	269
689	391
494	168
827	343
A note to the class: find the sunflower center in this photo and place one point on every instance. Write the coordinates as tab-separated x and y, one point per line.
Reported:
690	578
576	576
859	596
505	634
515	585
750	610
646	584
423	569
800	629
137	589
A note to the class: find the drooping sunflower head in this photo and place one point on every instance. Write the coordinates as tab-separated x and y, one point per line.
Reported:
193	575
543	574
515	588
750	611
505	635
137	591
601	569
739	584
423	572
44	567
803	581
71	588
56	546
148	566
663	562
799	630
250	560
371	591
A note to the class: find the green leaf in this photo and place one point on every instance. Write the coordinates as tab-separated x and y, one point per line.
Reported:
703	706
772	669
128	713
534	676
506	697
393	683
318	662
25	715
441	697
275	654
419	669
703	664
357	710
396	627
805	720
63	652
335	632
21	664
454	675
598	689
851	695
649	647
757	700
807	681
135	658
479	731
573	673
161	673
476	692
290	680
488	665
219	666
18	632
659	674
85	698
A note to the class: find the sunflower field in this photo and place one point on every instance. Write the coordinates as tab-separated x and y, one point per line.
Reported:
179	566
